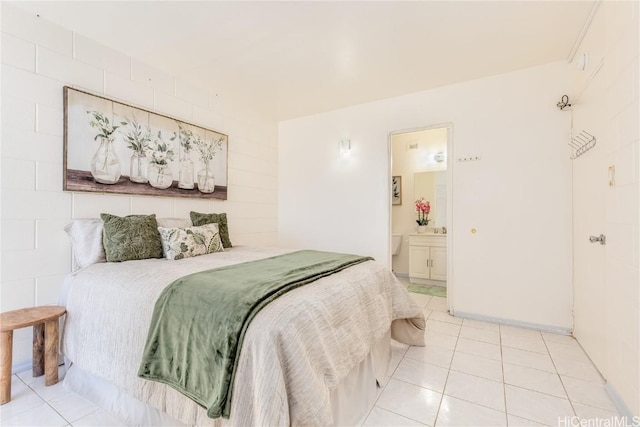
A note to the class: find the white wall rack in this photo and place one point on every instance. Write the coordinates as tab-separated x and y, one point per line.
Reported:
581	143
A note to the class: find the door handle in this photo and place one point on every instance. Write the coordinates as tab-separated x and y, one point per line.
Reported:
601	238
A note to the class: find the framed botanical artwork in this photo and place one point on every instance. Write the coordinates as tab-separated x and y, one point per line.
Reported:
112	147
396	190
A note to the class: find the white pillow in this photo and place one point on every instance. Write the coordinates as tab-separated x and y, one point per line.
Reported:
86	240
179	243
174	222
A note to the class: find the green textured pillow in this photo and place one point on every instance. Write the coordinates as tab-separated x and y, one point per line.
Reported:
131	237
220	219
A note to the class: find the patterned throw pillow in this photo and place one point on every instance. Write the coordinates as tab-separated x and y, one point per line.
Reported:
179	243
131	237
220	219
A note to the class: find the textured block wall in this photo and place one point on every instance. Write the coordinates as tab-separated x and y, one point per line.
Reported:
38	59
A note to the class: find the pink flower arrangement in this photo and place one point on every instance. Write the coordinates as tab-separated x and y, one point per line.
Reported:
423	208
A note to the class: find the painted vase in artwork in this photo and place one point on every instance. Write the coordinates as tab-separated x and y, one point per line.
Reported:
185	175
206	180
138	168
159	176
105	165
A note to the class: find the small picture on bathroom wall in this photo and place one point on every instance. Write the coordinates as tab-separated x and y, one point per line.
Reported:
396	190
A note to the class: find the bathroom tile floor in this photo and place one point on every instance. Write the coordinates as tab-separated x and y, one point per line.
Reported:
470	373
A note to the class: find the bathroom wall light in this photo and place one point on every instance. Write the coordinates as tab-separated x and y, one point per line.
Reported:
345	147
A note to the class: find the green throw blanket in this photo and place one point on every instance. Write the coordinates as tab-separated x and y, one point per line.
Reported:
199	321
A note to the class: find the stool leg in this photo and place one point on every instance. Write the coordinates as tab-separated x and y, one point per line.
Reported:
38	350
51	352
6	352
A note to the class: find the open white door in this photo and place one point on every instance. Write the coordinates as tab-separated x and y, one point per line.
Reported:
590	185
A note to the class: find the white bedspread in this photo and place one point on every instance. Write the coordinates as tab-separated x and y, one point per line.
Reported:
295	352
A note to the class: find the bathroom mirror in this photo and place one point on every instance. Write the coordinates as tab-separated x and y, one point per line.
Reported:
433	187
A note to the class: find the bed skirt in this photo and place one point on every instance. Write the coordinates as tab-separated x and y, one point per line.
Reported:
351	401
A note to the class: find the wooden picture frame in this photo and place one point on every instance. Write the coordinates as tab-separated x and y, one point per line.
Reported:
113	147
396	190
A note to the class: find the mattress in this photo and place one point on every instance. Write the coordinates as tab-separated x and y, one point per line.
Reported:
296	353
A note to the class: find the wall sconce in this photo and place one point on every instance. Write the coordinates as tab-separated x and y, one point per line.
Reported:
345	147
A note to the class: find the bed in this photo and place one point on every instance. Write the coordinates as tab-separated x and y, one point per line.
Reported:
311	357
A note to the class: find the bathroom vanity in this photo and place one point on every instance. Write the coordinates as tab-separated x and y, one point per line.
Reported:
428	259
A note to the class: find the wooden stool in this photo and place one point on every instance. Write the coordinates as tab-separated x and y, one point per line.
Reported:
44	320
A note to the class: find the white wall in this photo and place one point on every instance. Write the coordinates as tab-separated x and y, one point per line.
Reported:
38	59
518	265
607	288
406	163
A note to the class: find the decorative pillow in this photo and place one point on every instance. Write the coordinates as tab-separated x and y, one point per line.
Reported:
220	219
131	237
86	242
179	243
174	222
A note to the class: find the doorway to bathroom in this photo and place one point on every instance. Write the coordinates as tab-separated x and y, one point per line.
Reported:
421	214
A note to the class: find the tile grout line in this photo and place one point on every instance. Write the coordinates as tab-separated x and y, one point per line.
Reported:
571	402
504	383
391	377
559	377
394	371
520	387
47	401
54	410
385	387
531	390
444	387
69	423
44	401
84	416
31	390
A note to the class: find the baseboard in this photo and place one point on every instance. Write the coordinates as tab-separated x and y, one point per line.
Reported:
621	406
21	367
401	274
517	323
28	365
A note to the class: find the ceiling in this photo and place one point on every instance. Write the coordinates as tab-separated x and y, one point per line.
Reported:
295	58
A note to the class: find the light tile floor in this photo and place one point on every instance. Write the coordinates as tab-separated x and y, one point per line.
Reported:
473	373
470	373
33	404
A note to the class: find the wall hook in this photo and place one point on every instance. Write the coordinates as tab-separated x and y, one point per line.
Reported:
564	102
